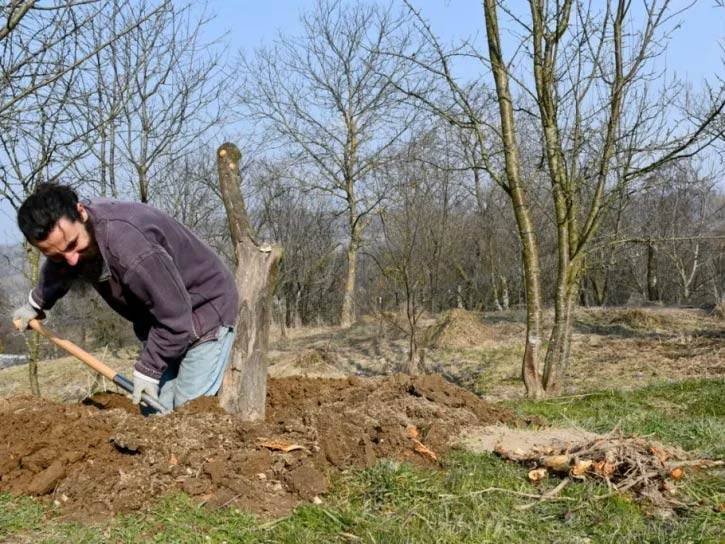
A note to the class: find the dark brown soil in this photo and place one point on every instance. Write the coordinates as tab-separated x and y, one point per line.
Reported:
102	457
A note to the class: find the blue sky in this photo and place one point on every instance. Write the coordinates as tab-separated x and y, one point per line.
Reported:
694	52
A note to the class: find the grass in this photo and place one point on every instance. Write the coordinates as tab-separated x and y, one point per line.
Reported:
690	413
472	500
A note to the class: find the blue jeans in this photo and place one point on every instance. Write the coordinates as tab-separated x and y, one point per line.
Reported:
200	372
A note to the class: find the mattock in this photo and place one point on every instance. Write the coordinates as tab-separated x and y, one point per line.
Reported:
96	364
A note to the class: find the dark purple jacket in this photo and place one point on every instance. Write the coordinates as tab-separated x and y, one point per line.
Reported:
159	276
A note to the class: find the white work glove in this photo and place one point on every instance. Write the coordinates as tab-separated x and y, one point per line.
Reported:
144	384
23	315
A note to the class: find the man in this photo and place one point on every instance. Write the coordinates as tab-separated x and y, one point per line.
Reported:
149	268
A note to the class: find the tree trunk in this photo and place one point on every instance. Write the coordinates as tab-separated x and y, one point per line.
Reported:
530	251
112	160
297	315
505	304
494	280
687	279
652	292
557	353
244	388
143	184
599	290
347	315
280	304
32	340
411	313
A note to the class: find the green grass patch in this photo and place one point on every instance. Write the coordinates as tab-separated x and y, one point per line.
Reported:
690	414
18	514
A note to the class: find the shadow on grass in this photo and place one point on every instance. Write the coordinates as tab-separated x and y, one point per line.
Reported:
615	329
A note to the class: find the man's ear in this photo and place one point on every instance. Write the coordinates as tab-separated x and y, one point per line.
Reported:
82	212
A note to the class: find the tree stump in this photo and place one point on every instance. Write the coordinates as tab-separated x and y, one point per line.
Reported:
244	388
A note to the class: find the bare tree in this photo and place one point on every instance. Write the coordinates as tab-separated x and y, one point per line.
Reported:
309	232
327	94
402	254
587	91
172	83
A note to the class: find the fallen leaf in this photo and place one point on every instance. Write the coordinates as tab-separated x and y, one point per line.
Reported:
424	450
538	474
281	446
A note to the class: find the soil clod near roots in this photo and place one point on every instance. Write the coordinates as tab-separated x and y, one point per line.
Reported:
102	457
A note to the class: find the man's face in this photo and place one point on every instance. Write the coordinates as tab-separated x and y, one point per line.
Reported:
69	241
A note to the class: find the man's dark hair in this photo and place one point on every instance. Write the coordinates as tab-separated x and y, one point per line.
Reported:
41	211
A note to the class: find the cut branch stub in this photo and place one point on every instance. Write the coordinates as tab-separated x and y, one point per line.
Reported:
244	388
228	158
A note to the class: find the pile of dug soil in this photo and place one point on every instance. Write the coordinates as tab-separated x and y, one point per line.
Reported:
102	457
311	363
637	318
458	328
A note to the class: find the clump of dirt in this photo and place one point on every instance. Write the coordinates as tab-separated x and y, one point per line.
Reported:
637	318
109	401
458	328
102	457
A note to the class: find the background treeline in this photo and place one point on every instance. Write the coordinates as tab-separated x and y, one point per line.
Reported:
377	156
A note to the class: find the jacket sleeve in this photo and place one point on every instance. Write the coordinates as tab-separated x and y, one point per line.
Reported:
53	283
156	281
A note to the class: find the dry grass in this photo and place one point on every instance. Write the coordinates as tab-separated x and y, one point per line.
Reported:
65	379
458	329
611	348
311	363
638	318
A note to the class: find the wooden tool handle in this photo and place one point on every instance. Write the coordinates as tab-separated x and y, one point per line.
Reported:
74	350
100	367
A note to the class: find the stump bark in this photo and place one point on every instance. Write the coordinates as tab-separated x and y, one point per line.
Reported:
244	388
